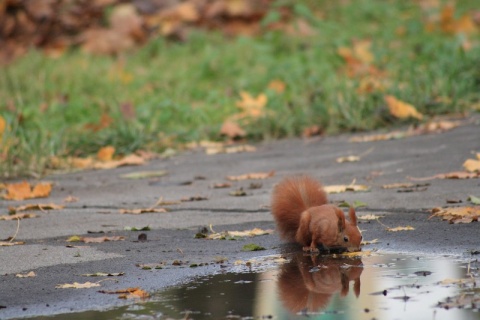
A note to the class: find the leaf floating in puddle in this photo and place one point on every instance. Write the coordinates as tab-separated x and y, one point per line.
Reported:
423	273
356	254
128	293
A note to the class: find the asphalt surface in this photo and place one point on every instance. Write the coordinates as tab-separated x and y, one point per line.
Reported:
101	194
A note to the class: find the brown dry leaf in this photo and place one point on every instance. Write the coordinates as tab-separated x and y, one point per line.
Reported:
359	59
312	131
13	243
396	229
222	185
252	176
77	285
400	109
38	206
81	163
381	137
277	85
70	199
230	149
128	293
367	242
101	239
457	214
232	130
472	165
448	24
398	185
30	274
345	188
106	153
449	175
129	160
18	216
143	210
347	159
23	190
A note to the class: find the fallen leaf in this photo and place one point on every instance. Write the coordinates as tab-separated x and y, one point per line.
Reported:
368	217
252	247
238	193
312	131
143	210
31	274
450	281
457	214
146	228
398	185
94	239
23	190
128	293
277	85
144	174
230	149
396	229
382	137
3	125
357	254
251	107
472	165
101	239
348	159
104	274
194	198
38	206
345	188
70	199
365	242
232	130
252	176
474	200
400	109
18	216
105	120
240	234
77	285
106	153
8	243
222	185
449	175
129	160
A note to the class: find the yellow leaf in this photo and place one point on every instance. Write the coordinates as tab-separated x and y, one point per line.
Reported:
472	165
23	190
77	285
345	188
232	130
3	125
106	153
31	274
407	228
8	243
400	109
252	107
101	239
246	233
348	159
252	176
457	214
357	254
369	217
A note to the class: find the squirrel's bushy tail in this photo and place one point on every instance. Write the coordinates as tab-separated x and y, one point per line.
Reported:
291	197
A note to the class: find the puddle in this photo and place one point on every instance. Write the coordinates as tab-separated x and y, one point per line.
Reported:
373	287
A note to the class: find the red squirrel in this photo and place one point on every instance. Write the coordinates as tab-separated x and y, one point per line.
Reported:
303	215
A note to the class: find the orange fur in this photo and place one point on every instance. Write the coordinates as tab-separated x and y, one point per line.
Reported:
300	209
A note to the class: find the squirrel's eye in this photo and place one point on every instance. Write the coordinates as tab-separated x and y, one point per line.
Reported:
345	239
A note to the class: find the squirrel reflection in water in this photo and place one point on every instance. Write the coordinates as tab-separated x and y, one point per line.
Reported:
307	284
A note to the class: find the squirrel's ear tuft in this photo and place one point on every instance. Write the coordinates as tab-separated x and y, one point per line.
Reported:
341	219
353	216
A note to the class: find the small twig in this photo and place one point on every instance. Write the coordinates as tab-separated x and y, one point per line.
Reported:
16	232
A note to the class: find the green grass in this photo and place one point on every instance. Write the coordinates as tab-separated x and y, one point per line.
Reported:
184	91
